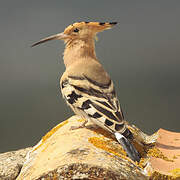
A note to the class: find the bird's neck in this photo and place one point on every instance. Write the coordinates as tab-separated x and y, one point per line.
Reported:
79	49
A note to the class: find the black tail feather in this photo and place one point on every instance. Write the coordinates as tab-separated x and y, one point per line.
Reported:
128	147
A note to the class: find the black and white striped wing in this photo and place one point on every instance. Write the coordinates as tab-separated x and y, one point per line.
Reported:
97	100
98	103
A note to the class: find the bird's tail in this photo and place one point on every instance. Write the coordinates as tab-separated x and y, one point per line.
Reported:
128	147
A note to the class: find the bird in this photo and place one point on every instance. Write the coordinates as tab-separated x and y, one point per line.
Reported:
87	87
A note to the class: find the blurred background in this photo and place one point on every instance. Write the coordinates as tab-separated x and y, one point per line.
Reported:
141	54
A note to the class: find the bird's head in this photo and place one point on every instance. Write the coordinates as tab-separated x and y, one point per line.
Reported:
79	30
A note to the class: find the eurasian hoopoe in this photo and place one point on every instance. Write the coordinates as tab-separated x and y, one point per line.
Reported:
86	86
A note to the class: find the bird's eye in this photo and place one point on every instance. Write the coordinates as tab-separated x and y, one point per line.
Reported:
76	30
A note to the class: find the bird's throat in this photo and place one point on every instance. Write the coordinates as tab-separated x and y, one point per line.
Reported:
79	49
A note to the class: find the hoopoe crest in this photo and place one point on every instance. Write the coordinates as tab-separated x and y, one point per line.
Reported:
86	86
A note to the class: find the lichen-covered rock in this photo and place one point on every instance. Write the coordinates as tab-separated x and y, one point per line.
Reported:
165	156
85	153
11	163
92	153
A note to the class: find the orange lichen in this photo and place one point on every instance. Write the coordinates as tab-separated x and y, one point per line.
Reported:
108	146
142	163
158	176
81	120
50	133
176	173
154	152
103	132
175	157
141	149
45	147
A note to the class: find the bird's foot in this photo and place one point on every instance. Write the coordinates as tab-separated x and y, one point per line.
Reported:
81	126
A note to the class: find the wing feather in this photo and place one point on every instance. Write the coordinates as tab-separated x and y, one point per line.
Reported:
97	102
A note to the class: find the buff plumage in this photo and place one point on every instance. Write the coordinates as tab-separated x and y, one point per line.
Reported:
87	87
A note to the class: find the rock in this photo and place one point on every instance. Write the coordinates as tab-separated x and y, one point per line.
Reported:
85	153
11	163
93	153
165	156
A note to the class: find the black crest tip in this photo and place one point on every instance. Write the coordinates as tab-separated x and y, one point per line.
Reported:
113	23
101	23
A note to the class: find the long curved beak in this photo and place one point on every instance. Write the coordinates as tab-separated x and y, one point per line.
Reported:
60	36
